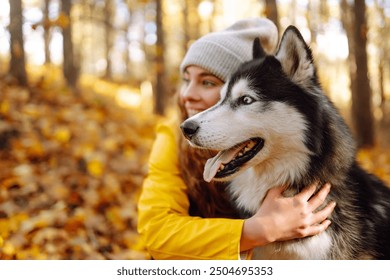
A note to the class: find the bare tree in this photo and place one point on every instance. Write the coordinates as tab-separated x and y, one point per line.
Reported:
361	98
160	87
191	22
271	12
17	63
46	28
354	22
383	55
186	32
108	16
69	67
347	20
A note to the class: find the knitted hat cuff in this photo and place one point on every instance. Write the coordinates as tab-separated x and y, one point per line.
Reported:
204	55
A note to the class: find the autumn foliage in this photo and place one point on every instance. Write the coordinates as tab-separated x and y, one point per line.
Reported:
71	167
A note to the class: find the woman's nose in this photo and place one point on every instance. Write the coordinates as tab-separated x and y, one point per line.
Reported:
190	92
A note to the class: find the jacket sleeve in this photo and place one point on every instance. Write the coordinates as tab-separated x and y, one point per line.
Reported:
164	224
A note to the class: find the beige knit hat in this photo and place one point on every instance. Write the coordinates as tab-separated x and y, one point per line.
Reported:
222	52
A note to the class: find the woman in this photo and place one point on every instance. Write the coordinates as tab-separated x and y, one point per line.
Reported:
183	217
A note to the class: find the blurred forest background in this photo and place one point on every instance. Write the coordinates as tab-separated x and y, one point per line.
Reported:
83	83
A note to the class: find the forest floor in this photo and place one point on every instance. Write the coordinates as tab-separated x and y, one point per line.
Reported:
71	167
71	170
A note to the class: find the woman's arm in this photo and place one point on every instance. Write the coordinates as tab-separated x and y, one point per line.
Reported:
164	224
283	218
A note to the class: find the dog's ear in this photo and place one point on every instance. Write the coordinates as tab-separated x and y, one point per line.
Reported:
257	49
295	56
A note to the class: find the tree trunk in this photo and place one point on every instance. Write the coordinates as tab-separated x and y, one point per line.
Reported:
382	58
160	87
271	12
347	20
186	24
108	11
17	67
381	70
46	28
69	68
361	98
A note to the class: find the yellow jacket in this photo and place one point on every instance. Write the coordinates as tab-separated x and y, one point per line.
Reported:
164	223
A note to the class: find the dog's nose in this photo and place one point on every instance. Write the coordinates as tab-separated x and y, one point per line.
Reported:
189	129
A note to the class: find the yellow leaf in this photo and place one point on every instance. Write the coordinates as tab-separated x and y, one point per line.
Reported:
63	21
130	153
4	228
15	221
12	224
4	107
36	149
33	111
95	168
33	252
110	144
8	249
114	216
46	127
1	242
20	217
62	135
83	150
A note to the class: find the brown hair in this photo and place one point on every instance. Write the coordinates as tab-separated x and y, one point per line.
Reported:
206	199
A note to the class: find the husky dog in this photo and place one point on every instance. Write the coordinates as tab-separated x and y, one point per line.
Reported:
274	126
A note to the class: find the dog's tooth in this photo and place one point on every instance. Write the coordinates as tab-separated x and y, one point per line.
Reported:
222	167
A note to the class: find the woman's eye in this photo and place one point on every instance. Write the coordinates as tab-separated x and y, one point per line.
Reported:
246	100
208	83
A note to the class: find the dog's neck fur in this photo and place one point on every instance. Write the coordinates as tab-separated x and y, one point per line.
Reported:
249	188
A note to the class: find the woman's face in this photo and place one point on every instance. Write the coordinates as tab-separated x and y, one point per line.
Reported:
200	90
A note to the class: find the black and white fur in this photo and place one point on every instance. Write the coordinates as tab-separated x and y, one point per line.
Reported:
277	98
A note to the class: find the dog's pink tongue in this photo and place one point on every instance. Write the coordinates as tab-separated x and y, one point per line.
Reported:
212	165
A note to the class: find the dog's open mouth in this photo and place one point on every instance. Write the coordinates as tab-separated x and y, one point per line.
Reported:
229	161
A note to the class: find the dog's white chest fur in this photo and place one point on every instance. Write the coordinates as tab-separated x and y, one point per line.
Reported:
311	248
248	190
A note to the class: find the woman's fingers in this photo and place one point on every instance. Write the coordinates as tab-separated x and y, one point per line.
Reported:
318	199
309	201
317	228
307	192
321	215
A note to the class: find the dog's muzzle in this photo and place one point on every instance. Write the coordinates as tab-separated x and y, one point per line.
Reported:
189	128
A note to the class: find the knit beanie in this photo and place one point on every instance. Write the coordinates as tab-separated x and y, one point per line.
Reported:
222	52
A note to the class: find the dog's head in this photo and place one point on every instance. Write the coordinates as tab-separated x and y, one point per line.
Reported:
263	114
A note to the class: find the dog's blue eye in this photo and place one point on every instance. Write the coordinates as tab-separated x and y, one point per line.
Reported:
246	100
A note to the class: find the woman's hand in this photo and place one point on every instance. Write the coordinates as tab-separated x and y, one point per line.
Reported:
282	218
